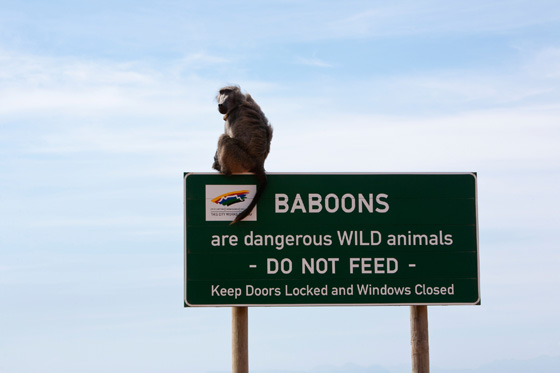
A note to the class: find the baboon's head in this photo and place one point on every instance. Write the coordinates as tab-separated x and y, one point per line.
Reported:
228	98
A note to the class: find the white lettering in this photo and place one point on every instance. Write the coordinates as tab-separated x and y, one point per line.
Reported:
315	203
334	197
380	265
281	203
352	203
362	202
383	203
298	204
272	266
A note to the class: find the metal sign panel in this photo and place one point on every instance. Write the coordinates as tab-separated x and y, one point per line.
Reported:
332	239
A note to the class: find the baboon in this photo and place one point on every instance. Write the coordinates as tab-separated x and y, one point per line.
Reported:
245	143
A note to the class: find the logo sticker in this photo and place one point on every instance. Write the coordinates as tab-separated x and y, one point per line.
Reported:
231	198
225	202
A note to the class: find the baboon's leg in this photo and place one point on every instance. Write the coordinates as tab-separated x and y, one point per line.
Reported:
233	157
216	165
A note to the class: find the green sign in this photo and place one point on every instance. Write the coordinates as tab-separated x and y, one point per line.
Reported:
332	239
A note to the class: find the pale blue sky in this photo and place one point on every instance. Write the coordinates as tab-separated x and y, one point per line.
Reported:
104	105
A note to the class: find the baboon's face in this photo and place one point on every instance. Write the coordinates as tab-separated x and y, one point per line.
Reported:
226	100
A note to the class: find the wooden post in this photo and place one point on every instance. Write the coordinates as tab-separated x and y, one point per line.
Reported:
419	339
240	339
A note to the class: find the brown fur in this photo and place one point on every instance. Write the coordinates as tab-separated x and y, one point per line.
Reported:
245	143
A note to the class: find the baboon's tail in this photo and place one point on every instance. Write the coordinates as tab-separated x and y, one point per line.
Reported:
262	182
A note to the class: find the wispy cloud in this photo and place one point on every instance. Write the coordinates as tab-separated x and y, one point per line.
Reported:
199	59
439	16
33	85
312	61
545	64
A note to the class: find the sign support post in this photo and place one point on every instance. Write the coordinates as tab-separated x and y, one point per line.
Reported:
419	339
240	339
